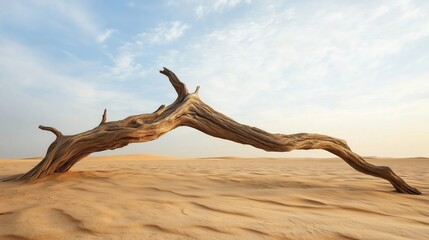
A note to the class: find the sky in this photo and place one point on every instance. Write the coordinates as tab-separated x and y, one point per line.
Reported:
355	70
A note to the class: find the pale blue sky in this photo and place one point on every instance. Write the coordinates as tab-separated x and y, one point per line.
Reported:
356	70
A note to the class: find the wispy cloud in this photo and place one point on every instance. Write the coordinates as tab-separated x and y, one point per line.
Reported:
75	13
272	53
200	11
71	17
219	5
164	32
125	64
292	64
105	35
205	7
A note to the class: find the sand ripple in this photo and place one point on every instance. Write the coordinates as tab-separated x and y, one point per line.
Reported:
225	198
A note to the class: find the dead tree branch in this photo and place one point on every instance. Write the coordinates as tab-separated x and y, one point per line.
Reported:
189	110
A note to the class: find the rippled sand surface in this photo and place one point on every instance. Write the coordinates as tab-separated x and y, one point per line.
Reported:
149	197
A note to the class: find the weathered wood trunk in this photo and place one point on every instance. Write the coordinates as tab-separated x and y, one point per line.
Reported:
189	110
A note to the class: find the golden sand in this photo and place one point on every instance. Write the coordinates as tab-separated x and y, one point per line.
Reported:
152	197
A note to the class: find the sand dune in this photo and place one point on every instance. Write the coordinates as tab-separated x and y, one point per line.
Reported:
150	197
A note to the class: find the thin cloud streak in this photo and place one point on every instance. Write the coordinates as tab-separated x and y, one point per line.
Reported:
165	32
126	64
105	35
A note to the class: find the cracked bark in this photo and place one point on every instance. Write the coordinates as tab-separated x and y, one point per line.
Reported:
189	110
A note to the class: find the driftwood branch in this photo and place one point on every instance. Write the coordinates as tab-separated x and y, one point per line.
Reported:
103	118
189	110
51	129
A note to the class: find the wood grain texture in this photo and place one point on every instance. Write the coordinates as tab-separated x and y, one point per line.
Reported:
189	110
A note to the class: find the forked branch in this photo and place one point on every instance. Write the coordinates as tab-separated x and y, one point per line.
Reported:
189	110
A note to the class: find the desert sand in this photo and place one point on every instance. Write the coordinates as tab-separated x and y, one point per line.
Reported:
152	197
